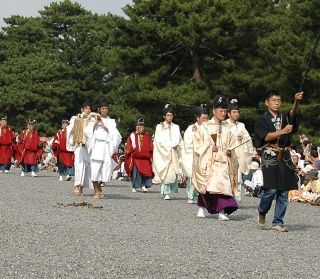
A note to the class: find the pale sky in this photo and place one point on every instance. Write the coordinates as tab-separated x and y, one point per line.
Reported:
31	7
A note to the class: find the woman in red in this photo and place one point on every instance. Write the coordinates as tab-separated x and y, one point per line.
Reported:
7	144
65	157
29	149
138	163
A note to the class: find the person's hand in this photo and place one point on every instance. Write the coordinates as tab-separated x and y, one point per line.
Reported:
287	130
214	149
298	96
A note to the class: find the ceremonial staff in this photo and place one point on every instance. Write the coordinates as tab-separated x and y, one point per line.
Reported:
309	62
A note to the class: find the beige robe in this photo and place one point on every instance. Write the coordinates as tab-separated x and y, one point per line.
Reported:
244	151
166	153
187	150
214	172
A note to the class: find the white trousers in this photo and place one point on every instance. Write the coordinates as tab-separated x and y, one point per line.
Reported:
82	167
101	170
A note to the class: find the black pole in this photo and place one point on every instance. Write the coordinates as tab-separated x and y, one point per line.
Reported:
309	62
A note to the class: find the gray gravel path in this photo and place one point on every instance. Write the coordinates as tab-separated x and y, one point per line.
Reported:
138	235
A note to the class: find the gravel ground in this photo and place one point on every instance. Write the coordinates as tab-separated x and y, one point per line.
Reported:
137	235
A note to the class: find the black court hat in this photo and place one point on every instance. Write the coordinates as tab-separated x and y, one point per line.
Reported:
220	101
103	103
233	104
32	122
202	109
140	122
167	108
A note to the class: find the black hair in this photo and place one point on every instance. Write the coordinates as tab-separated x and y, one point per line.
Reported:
271	93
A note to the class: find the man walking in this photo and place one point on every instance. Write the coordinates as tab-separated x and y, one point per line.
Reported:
65	158
7	145
104	139
76	142
138	163
272	135
29	149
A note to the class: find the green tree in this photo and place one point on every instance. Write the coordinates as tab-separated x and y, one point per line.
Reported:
50	64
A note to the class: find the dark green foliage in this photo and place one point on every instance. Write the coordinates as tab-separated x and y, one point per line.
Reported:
163	51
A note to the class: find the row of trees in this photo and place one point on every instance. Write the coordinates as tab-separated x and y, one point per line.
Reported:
176	51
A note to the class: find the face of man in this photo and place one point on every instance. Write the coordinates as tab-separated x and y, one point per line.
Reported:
3	123
168	117
64	125
295	160
104	111
86	110
234	115
220	114
30	127
273	103
202	118
140	128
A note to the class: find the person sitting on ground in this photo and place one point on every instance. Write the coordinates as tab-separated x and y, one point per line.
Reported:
302	138
311	192
306	145
255	184
314	156
316	166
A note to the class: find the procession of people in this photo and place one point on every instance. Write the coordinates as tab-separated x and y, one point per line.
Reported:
216	158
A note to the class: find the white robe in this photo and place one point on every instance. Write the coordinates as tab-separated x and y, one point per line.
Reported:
166	153
102	145
82	169
187	150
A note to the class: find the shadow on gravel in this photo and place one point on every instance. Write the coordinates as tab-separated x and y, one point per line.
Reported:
301	227
119	197
248	207
115	186
240	217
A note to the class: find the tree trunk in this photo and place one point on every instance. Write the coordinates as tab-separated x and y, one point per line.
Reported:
195	64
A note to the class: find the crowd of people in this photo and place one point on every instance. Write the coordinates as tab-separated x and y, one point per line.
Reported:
216	158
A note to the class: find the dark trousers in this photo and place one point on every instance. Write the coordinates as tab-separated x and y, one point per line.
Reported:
282	200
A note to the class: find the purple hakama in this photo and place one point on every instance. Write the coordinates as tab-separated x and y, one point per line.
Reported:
216	203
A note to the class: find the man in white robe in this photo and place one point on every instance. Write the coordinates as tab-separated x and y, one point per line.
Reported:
104	139
201	115
76	142
166	154
215	164
244	147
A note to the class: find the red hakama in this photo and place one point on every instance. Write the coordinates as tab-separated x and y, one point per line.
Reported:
59	147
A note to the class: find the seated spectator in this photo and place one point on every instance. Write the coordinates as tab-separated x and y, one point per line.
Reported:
304	179
48	162
254	184
302	138
316	165
311	192
306	145
313	156
295	157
